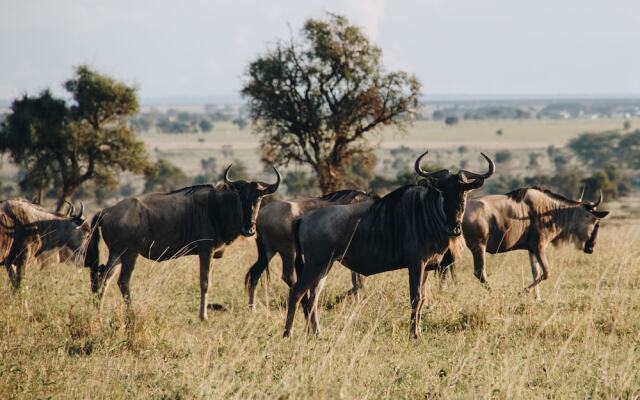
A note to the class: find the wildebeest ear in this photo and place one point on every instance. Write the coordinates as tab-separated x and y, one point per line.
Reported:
473	184
599	214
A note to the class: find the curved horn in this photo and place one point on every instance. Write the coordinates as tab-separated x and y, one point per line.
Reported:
581	194
274	186
226	175
597	203
422	172
81	212
71	210
473	175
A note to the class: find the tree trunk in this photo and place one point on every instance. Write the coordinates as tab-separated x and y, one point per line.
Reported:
67	192
327	179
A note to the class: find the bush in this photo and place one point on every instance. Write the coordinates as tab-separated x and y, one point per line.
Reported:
503	156
451	120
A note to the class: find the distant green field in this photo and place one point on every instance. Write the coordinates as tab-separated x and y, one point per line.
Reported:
186	150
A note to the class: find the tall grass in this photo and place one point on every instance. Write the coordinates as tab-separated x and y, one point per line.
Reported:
583	340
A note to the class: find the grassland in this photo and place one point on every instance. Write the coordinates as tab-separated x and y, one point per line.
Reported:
187	150
582	341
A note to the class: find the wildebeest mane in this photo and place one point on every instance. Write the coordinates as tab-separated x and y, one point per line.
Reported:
187	190
25	212
519	194
346	195
409	213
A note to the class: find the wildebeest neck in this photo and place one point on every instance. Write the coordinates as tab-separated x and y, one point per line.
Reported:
408	214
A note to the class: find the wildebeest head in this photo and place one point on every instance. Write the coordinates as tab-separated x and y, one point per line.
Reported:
250	194
78	230
454	189
586	224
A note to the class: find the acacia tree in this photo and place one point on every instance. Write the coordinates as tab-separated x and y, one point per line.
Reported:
317	100
90	139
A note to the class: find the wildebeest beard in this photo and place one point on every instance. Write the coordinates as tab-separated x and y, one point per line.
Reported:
407	215
590	244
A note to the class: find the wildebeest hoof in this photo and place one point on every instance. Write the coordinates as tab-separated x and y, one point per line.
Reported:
216	307
252	307
286	334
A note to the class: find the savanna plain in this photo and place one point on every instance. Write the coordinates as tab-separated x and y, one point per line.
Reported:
582	340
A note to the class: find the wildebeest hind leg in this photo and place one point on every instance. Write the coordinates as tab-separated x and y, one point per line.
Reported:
310	275
128	263
314	293
479	263
253	275
110	268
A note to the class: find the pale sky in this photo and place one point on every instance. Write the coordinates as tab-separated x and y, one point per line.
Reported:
201	48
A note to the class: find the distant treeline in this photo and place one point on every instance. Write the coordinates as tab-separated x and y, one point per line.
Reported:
546	111
178	121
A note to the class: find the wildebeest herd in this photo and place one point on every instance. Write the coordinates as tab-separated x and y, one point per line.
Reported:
420	227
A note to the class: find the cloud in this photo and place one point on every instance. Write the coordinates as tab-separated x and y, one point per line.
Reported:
368	14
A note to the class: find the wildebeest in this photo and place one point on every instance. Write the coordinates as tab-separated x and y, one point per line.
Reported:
527	219
27	231
407	228
195	220
274	228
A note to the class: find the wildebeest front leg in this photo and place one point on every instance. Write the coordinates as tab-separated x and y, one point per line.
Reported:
357	284
423	290
535	273
205	276
447	266
415	295
542	261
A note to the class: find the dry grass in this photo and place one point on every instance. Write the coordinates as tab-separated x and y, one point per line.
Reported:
582	341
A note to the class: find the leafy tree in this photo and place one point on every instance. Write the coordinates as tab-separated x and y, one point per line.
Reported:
596	149
317	100
90	139
534	160
300	183
610	180
164	176
205	125
630	149
626	125
359	172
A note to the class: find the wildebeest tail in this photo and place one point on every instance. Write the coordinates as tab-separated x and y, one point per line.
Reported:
299	260
92	257
260	266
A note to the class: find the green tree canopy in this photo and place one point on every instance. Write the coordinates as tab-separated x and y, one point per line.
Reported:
316	100
596	149
164	176
89	139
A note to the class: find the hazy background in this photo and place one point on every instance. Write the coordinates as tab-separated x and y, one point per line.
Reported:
201	48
